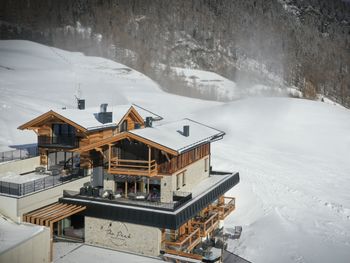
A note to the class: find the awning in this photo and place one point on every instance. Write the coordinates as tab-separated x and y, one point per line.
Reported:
48	215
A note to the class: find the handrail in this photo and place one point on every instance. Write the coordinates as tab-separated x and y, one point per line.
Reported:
133	167
212	220
182	242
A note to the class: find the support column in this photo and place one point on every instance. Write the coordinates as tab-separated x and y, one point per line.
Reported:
149	160
126	189
109	157
147	185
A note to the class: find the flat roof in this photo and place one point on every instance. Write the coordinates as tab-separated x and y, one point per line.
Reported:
204	194
12	177
13	234
171	134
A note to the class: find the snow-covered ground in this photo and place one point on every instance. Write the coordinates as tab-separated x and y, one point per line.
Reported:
293	200
12	234
217	87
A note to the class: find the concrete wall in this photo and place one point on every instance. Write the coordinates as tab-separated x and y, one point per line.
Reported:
128	237
8	207
15	207
37	200
194	174
108	182
34	250
20	166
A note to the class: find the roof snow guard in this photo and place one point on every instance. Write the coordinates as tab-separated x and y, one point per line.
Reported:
171	135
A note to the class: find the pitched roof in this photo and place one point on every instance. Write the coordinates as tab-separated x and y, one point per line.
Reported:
167	137
170	135
87	118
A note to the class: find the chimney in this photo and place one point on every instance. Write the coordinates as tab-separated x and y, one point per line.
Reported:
103	116
149	121
103	107
81	104
186	130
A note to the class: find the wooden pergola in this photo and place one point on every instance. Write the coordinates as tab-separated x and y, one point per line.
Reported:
48	215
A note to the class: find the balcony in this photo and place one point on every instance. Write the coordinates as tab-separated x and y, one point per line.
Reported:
184	242
206	224
58	142
133	167
225	206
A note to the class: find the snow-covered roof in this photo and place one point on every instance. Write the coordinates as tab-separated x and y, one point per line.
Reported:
12	234
171	135
87	118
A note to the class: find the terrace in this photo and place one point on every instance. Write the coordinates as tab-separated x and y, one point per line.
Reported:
132	199
157	214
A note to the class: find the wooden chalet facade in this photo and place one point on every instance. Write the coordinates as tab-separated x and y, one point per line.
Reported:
142	174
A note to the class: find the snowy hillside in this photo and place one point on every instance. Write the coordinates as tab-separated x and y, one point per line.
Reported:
293	200
35	78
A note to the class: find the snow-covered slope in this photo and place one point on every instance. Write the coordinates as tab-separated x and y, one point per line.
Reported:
293	200
35	78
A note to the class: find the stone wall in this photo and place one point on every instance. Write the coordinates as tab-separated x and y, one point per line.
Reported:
127	237
194	174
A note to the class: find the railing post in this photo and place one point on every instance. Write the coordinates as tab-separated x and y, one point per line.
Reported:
149	160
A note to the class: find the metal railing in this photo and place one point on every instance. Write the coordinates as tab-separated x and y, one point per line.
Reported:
59	141
21	189
132	202
19	154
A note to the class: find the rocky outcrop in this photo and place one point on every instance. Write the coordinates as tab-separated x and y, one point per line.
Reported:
301	43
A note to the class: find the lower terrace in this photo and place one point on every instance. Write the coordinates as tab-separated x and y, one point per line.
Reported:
158	214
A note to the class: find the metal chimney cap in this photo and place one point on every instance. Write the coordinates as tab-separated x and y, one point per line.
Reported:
103	107
186	130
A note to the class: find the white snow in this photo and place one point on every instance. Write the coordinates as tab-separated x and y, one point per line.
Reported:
209	82
12	234
171	135
87	118
293	200
12	177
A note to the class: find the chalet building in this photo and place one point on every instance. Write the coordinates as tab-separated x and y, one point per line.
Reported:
151	187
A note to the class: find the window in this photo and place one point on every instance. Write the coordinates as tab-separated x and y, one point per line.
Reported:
178	183
183	178
206	164
124	126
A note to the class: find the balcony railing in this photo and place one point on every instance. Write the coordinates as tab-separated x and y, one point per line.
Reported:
184	242
225	206
207	224
133	167
21	189
64	141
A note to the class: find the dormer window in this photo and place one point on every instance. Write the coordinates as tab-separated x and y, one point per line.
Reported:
124	126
